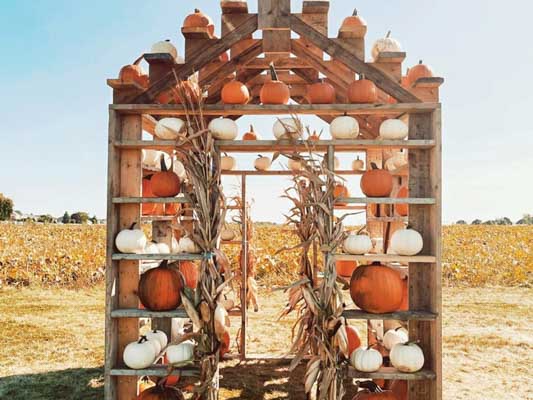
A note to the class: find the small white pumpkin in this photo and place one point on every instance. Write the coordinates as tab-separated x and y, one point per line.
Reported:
156	345
394	336
287	128
262	163
186	245
179	169
151	158
162	248
393	129
131	241
165	46
180	353
407	357
169	128
357	244
227	234
294	165
139	355
385	44
398	160
358	164
344	127
160	336
227	163
406	242
223	128
366	359
151	248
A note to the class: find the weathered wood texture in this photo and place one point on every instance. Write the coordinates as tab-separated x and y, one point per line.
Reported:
274	14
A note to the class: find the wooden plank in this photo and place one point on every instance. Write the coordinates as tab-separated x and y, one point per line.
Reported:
340	53
274	14
387	200
158	257
197	62
390	373
128	271
399	315
120	85
315	7
154	370
386	258
138	313
277	42
390	57
138	200
234	7
281	64
149	124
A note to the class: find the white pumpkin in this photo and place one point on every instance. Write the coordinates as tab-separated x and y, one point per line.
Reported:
179	169
223	128
366	360
344	127
287	128
262	163
385	44
180	353
398	160
169	128
357	244
175	246
227	163
294	165
155	345
227	234
358	164
162	248
393	129
160	336
165	46
186	245
394	336
131	241
407	357
151	158
406	242
139	355
151	248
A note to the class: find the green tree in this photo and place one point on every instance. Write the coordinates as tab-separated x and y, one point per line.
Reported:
93	219
46	219
80	217
476	222
6	208
461	222
527	219
66	218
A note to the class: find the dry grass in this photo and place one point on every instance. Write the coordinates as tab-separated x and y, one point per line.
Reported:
53	346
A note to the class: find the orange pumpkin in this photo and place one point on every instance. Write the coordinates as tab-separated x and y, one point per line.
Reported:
150	208
340	191
315	137
190	273
405	295
225	344
172	208
371	391
402	209
376	182
199	20
235	92
376	288
354	341
345	268
275	91
224	57
165	183
321	93
399	388
420	70
160	392
145	384
133	73
160	288
362	91
250	135
354	23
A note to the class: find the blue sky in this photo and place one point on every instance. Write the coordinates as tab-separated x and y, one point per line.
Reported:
57	55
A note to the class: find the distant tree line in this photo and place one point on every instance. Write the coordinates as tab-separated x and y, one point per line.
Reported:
6	207
527	219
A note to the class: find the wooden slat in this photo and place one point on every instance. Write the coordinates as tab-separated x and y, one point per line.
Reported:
340	53
138	313
386	258
390	373
157	257
281	64
387	200
315	7
155	370
399	315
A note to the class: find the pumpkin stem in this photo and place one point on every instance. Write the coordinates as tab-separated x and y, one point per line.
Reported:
354	12
361	77
374	165
251	128
167	40
196	10
164	264
420	62
388	34
133	226
142	339
163	164
372	386
273	73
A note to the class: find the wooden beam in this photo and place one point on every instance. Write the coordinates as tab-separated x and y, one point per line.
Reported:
197	62
315	7
280	63
274	14
340	53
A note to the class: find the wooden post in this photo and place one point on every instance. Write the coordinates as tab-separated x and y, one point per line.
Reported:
244	269
274	19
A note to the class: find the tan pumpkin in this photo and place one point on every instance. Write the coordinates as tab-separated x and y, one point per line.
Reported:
420	70
377	182
165	183
321	93
199	20
160	288
275	91
235	92
362	91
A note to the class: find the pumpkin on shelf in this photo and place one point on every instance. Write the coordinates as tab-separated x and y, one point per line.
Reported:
159	336
187	245
321	93
399	388
345	268
169	128
386	44
161	392
406	242
151	158
407	357
190	273
133	73
354	339
354	26
340	191
376	288
160	288
394	336
402	209
131	241
393	129
376	182
227	163
372	391
262	163
165	183
420	70
227	234
250	135
294	165
139	354
199	20
358	243
172	208
151	248
223	128
287	128
145	383
165	47
275	91
235	92
366	359
344	127
150	208
398	160
358	164
362	91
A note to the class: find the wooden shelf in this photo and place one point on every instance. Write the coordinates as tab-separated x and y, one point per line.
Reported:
155	370
159	58
268	109
387	258
428	83
391	57
138	313
315	7
201	32
386	200
152	218
387	219
399	315
118	84
136	200
157	257
348	208
391	373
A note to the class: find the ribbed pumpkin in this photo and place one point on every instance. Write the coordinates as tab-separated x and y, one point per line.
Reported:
199	20
345	268
402	209
165	183
376	182
235	92
150	208
160	288
321	93
373	392
420	70
275	91
251	135
362	91
376	288
190	273
339	191
161	392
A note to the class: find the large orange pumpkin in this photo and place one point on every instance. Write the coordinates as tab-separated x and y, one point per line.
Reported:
251	135
160	288
420	70
345	268
399	388
199	20
405	295
275	91
376	288
354	23
376	182
165	183
321	93
402	209
161	392
354	341
150	208
340	191
373	392
362	91
190	273
133	73
235	92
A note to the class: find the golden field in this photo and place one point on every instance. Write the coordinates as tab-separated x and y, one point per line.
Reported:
74	255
